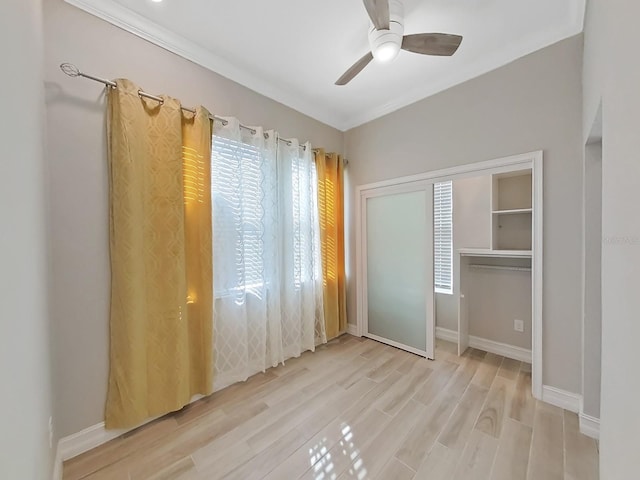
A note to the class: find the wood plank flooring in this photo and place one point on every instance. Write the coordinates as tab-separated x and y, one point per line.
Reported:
359	409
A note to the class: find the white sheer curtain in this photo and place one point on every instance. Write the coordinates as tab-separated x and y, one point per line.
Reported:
266	263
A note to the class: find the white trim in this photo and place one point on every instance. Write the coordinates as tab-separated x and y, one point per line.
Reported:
85	440
446	334
80	442
132	22
536	276
430	277
491	346
484	252
57	466
561	398
399	345
512	163
353	330
91	437
589	426
515	211
139	25
361	254
583	278
499	348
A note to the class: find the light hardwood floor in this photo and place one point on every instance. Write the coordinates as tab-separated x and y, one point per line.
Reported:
359	409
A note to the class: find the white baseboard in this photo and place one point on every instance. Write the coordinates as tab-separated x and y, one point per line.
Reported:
554	396
352	329
589	426
447	335
510	351
96	435
80	442
57	466
85	440
561	398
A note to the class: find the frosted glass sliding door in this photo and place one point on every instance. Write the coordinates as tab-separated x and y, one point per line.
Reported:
399	267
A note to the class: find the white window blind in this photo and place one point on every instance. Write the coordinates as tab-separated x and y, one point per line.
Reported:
239	229
250	213
268	306
443	237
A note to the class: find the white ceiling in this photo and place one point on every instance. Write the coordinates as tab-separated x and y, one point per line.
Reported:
294	50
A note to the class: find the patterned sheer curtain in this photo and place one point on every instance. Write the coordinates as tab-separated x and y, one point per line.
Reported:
266	264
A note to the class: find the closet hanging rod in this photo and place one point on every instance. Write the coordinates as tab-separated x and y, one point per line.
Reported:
500	267
71	70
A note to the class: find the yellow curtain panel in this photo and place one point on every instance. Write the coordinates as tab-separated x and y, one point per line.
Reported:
331	213
161	323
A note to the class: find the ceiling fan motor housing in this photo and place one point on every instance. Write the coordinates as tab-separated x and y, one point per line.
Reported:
385	44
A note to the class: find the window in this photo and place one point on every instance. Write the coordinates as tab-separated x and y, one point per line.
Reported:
443	237
264	208
239	229
268	305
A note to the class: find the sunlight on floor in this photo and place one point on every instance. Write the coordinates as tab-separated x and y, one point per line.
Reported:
322	459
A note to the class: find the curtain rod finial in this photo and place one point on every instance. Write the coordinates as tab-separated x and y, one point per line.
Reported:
70	69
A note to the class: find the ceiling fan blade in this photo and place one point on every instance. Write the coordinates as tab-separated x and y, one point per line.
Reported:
355	69
440	44
378	11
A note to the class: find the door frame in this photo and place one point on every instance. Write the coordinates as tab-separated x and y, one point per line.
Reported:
363	317
531	160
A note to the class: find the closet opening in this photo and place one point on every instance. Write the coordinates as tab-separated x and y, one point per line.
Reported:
455	254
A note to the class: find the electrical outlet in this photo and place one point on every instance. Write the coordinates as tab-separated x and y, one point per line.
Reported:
518	326
50	432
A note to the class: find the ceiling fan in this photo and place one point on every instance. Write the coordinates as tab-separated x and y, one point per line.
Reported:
386	38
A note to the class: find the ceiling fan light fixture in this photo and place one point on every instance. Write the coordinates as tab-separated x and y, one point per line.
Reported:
385	52
385	44
387	38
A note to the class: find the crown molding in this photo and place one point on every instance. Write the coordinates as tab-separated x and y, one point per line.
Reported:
132	22
484	64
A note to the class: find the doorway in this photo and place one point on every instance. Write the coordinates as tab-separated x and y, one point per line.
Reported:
592	278
382	314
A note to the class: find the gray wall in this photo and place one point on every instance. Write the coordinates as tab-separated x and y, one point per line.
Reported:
593	71
532	104
471	229
78	197
495	298
25	401
592	314
612	74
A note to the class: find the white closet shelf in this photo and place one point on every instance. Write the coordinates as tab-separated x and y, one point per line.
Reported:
484	252
500	267
515	211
